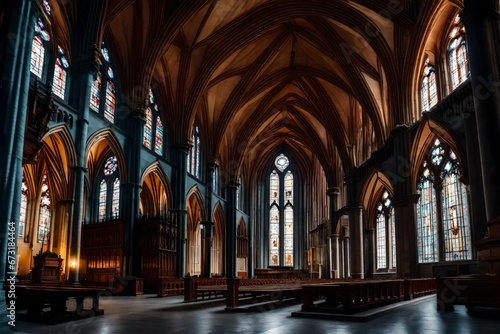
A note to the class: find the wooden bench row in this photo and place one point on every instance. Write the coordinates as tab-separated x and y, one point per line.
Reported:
350	297
36	298
473	291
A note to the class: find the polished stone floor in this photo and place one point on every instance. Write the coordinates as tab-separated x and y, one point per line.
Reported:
149	314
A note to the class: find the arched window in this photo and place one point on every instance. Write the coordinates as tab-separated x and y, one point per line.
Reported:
457	54
153	127
194	154
242	240
428	91
38	49
281	214
238	195
59	81
109	191
385	234
115	202
104	85
103	196
445	236
24	208
45	214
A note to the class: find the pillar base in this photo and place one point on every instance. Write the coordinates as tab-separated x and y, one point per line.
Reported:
488	248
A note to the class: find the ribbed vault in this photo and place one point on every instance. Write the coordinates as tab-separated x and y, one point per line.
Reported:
321	76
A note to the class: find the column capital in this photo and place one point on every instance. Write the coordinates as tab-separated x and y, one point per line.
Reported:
333	191
88	64
212	162
183	147
233	184
409	199
140	110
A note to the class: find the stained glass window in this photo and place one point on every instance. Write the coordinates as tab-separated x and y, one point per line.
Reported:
281	162
194	154
24	208
440	184
109	108
456	225
109	190
148	128
159	136
427	236
381	243
238	195
281	214
428	91
59	81
385	234
45	214
115	202
457	54
103	190
153	127
47	8
103	88
110	166
392	225
95	93
38	48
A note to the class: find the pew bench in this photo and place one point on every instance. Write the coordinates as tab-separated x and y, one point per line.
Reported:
47	303
472	291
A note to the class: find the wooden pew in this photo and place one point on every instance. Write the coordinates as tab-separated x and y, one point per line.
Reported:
350	297
34	298
473	291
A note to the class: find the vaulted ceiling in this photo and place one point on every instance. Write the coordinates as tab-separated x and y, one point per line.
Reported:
321	78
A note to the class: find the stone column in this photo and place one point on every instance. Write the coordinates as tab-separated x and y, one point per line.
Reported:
475	177
83	76
483	37
84	66
131	191
356	251
370	252
206	248
232	188
18	22
346	253
207	235
406	240
180	213
334	255
333	193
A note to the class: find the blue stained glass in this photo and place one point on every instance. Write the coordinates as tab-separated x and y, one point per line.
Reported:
64	62
105	54
111	74
159	136
148	129
46	5
45	35
110	166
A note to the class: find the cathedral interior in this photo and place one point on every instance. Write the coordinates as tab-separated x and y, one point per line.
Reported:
346	139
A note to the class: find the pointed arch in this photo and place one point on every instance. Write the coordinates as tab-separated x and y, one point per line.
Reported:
58	155
374	185
156	194
99	144
196	213
423	141
442	211
218	243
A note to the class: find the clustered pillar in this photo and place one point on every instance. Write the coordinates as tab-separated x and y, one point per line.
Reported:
483	37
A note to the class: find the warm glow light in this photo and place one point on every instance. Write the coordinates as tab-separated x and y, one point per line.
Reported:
72	264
